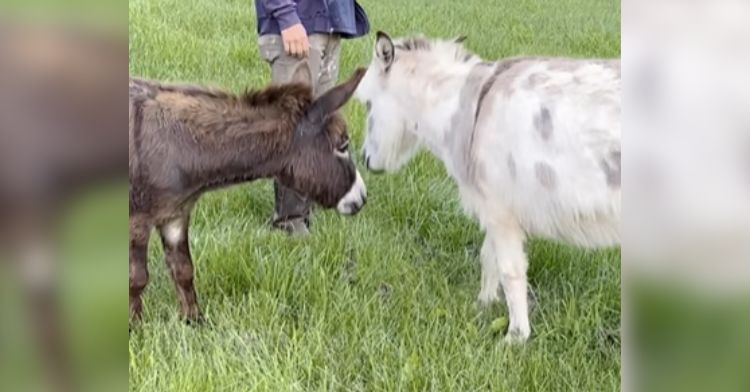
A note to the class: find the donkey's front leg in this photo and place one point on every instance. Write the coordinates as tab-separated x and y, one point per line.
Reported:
174	237
488	293
507	243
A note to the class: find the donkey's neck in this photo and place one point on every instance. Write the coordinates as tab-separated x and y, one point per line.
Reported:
434	100
446	120
247	160
240	148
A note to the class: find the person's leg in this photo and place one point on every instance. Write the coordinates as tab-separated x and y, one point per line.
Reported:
330	47
324	66
291	212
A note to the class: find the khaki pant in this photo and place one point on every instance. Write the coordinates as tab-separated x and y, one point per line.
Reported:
324	67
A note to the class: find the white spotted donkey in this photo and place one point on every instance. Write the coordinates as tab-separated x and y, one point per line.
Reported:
533	143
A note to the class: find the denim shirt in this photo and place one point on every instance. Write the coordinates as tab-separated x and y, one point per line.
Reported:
343	17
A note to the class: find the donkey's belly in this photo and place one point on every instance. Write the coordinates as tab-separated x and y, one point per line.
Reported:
578	211
558	188
583	225
592	231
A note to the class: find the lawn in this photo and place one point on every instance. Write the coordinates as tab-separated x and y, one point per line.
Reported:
384	300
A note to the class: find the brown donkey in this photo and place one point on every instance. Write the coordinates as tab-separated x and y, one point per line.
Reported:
185	140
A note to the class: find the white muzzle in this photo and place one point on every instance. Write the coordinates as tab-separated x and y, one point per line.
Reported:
355	199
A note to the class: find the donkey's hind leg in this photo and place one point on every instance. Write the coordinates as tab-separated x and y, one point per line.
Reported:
138	267
174	238
507	243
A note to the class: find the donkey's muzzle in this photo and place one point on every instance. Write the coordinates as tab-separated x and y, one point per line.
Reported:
366	159
355	199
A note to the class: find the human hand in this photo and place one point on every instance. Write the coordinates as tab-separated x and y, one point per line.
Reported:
295	40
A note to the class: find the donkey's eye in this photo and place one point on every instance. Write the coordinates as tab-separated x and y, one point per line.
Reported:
342	150
344	146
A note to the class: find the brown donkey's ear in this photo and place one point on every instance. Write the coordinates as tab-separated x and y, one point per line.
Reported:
384	49
336	97
302	74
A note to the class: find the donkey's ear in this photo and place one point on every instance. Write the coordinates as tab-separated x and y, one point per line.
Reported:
384	49
460	39
336	97
302	74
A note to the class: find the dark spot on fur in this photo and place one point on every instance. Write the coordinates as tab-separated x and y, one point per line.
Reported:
414	43
546	175
368	105
612	169
512	166
543	123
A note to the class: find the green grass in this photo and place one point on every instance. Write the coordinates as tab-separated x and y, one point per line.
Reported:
385	300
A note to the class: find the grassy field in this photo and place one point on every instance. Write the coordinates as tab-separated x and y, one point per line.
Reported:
385	300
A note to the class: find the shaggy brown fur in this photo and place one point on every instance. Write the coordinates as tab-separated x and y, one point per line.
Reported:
185	140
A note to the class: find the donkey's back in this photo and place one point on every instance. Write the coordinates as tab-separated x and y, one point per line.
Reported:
548	145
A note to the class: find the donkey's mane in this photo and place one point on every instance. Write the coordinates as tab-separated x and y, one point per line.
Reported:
452	49
293	97
274	109
414	43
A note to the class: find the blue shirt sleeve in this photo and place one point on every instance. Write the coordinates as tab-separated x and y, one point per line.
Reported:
284	11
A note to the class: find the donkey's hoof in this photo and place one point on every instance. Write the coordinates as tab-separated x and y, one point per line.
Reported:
516	336
294	227
134	321
194	320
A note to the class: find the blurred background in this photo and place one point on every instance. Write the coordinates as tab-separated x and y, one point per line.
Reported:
686	222
63	209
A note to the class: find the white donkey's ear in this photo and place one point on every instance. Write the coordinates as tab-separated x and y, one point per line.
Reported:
384	49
